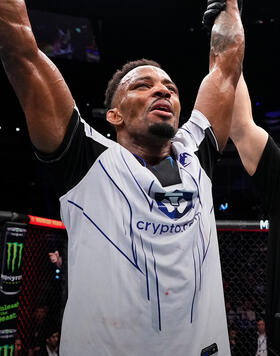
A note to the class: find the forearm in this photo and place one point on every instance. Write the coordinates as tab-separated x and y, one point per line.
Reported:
38	84
16	37
242	117
227	44
248	138
216	94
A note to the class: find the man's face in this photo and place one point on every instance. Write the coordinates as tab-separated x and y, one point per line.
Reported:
40	313
261	326
148	102
52	341
18	346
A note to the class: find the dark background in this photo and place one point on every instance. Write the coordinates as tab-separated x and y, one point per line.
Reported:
170	33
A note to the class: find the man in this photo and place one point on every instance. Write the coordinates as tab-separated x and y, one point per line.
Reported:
39	322
261	339
18	347
144	270
50	345
261	158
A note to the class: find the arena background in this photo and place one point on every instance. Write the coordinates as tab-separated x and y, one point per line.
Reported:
172	34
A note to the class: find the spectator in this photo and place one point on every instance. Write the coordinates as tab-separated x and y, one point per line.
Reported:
248	312
232	315
49	346
234	342
56	258
261	341
38	326
18	347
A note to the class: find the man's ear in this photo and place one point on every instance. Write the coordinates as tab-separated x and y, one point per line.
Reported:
114	117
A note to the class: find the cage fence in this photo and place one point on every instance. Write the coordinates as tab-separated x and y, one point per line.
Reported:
243	253
39	304
43	292
243	250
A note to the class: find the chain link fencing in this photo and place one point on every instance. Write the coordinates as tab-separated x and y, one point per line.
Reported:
243	253
243	250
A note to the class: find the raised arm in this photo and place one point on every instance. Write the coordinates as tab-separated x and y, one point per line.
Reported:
216	94
249	139
39	86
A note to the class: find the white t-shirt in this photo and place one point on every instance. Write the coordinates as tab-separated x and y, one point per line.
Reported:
262	346
143	258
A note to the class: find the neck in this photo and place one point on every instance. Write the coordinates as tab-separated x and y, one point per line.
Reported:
152	150
52	348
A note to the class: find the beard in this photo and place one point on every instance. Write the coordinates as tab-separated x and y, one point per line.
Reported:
162	130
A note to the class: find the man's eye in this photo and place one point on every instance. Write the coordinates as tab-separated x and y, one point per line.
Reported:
142	85
172	89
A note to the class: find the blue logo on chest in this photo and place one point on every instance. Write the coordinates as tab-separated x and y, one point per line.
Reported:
174	204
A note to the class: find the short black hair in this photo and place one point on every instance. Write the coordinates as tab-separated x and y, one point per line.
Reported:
120	73
51	329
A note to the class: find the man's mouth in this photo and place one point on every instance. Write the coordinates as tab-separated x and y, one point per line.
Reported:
162	106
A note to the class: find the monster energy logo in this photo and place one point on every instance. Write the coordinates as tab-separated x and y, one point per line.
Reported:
7	350
14	253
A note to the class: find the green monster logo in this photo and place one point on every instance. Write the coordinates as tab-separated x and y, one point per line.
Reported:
14	252
7	350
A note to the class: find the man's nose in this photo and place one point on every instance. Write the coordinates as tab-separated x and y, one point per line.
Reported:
161	91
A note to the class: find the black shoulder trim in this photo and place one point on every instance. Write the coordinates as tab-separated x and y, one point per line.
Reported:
212	137
64	147
66	167
208	152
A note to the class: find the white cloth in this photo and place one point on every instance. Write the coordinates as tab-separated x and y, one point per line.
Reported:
143	281
262	346
51	353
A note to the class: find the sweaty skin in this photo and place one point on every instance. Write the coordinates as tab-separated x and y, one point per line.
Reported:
140	93
226	56
33	77
249	139
145	99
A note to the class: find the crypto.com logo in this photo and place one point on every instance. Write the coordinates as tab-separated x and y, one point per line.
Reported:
14	255
174	204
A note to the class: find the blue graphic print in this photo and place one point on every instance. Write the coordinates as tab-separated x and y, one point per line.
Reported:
174	204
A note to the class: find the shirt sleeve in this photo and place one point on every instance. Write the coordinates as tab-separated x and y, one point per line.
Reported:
198	133
267	175
70	163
